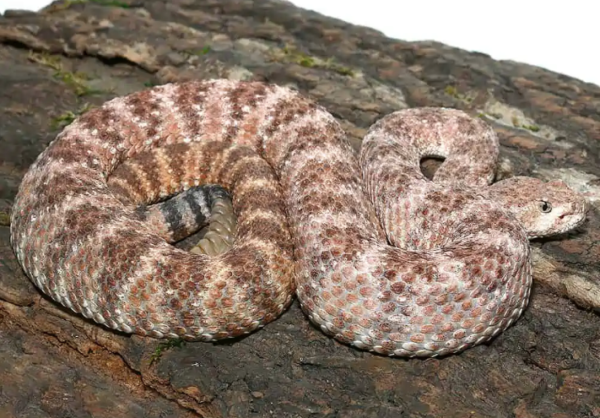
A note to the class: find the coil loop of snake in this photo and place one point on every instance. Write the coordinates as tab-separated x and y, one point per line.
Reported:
379	256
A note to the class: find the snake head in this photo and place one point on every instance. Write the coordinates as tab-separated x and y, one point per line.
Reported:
543	208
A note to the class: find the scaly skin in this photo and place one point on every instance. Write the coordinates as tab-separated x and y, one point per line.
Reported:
445	267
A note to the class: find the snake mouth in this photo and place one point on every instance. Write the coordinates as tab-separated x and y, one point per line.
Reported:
575	216
575	222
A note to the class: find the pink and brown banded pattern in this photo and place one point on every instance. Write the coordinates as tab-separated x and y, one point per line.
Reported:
380	257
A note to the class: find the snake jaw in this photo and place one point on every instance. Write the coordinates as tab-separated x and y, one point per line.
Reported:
572	218
570	214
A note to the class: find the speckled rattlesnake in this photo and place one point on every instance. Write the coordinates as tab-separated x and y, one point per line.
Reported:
428	268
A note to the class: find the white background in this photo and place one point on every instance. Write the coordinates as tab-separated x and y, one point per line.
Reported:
562	36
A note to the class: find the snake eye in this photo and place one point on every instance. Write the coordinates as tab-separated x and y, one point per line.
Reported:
545	206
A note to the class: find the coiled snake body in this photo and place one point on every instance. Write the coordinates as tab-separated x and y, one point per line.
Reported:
380	257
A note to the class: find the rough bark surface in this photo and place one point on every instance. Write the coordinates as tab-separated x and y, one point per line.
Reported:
77	54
